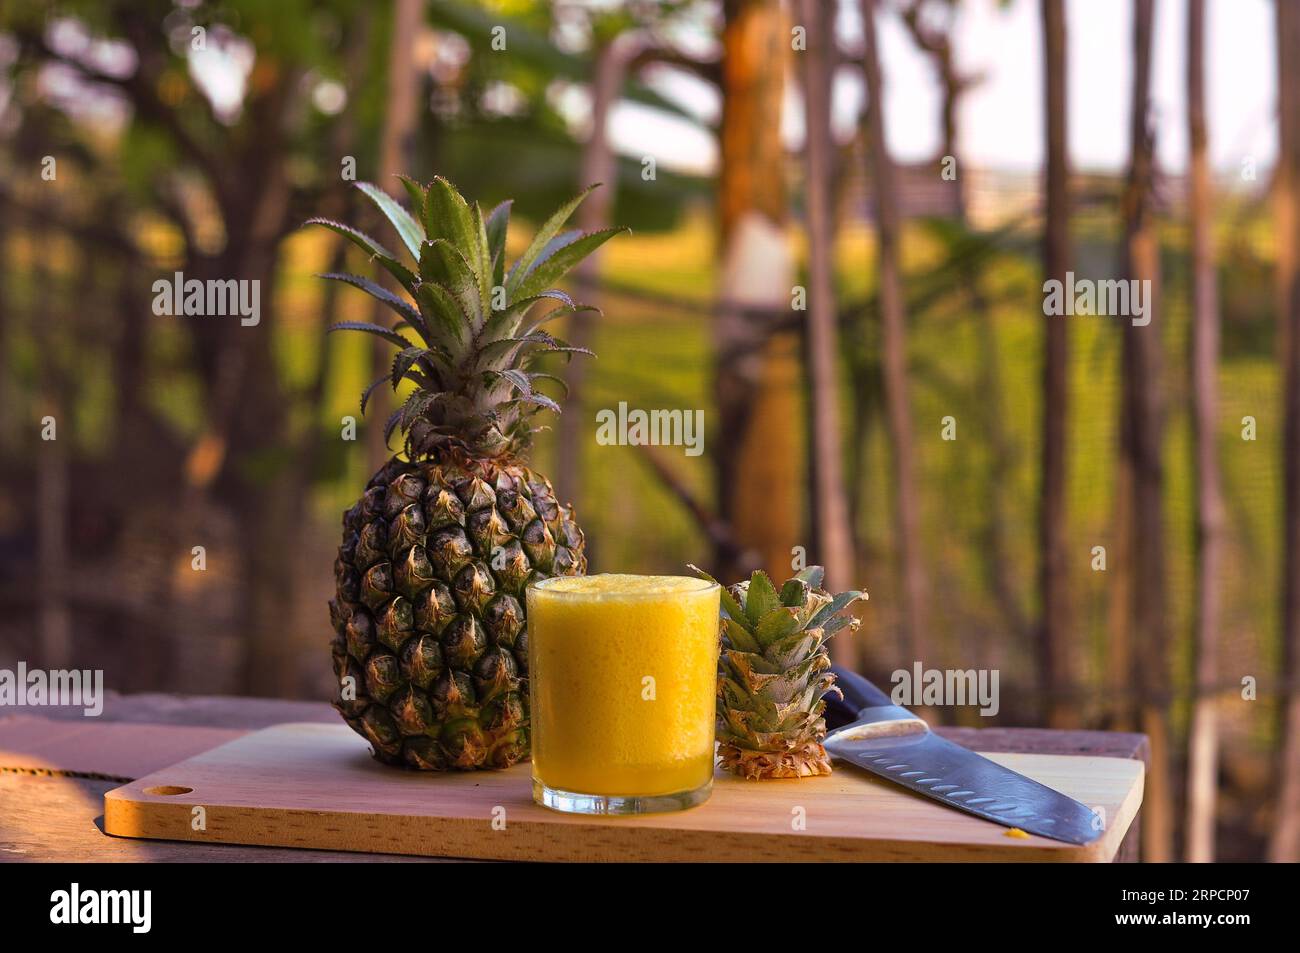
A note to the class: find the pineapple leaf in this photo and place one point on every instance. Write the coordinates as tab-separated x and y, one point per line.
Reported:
558	264
415	405
403	361
729	604
840	601
550	228
816	600
399	305
365	395
390	426
761	598
519	350
447	216
556	344
392	337
789	649
813	575
560	348
559	381
422	379
794	592
832	626
409	412
507	351
740	637
557	313
536	402
735	698
372	248
554	245
415	192
408	229
504	323
517	379
442	263
538	399
521	382
481	260
774	625
498	223
447	320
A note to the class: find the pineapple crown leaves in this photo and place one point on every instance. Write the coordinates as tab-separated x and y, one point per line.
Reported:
756	616
476	331
774	667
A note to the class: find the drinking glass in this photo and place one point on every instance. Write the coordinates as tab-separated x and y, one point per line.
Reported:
623	682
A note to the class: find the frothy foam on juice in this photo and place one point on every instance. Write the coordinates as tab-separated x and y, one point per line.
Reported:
618	584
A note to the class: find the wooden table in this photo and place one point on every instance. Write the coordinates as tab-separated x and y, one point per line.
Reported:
56	764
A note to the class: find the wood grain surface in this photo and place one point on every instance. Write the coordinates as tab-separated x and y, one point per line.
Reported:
315	786
89	748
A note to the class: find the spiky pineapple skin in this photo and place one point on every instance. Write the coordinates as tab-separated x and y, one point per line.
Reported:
430	633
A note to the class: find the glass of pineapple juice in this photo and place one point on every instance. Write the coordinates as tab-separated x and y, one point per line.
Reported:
623	682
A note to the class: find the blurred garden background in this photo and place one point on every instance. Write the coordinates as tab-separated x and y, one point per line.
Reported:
843	216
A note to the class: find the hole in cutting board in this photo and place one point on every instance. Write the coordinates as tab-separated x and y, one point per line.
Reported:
168	790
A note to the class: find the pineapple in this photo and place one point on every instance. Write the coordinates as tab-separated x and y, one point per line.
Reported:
773	674
430	640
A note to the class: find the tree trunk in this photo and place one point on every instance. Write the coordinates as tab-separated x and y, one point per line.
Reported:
830	505
1286	180
894	347
1203	745
54	621
756	383
1120	703
1284	844
1143	409
246	406
8	390
599	164
395	148
1054	566
936	41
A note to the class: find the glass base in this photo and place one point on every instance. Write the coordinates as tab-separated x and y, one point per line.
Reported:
573	803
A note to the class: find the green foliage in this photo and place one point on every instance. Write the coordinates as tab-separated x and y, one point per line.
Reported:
532	49
532	155
534	162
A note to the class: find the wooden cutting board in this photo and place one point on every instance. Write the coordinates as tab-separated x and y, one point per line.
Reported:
314	785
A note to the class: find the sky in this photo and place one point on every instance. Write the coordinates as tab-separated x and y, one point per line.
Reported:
1001	123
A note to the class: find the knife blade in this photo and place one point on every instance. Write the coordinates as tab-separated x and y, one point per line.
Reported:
892	743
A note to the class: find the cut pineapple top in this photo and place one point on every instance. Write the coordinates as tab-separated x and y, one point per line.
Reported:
623	585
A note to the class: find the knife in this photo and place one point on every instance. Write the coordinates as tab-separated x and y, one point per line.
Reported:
876	735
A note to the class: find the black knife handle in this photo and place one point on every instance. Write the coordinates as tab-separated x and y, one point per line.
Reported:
858	694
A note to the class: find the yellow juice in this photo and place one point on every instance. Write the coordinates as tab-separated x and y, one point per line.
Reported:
623	675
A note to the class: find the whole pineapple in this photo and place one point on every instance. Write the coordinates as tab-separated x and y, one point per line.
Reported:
773	674
430	642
